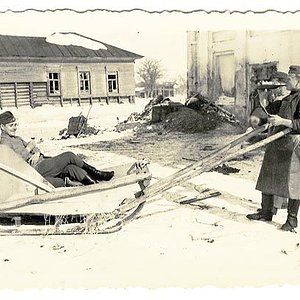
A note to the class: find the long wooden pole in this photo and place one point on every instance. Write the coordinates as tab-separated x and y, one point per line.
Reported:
74	191
198	168
209	157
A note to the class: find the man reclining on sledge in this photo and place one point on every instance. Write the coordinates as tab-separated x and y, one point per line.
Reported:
65	169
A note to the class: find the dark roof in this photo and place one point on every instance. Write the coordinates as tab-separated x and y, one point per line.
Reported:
38	47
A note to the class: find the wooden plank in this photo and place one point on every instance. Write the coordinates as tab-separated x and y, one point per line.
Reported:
199	198
36	230
8	95
25	178
78	86
106	85
61	101
193	170
1	106
61	88
38	219
31	98
11	186
74	191
8	87
40	92
16	95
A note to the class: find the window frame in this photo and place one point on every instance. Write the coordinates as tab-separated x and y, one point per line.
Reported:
83	81
115	80
51	84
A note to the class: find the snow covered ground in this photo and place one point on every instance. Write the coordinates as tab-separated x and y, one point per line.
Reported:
167	245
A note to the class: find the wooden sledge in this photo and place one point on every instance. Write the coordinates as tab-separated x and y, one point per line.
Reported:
21	187
113	220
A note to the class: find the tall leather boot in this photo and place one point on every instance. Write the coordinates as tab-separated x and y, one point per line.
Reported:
267	210
291	222
87	180
96	174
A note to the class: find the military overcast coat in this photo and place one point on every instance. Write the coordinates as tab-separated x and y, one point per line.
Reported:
280	170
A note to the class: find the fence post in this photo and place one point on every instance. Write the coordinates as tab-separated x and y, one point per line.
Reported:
16	95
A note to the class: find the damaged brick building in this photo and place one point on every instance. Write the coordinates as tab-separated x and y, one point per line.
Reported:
221	63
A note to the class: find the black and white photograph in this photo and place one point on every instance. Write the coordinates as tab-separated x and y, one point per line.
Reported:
149	148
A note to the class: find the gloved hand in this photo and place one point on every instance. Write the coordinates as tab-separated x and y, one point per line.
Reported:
255	121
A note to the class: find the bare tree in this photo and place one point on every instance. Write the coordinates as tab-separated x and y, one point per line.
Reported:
181	85
150	71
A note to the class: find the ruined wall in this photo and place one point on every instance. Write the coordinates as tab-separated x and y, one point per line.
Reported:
198	60
280	46
219	59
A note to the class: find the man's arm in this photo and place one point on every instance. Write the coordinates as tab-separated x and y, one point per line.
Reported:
296	119
258	116
18	145
293	123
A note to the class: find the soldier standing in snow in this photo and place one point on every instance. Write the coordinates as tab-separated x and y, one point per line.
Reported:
280	171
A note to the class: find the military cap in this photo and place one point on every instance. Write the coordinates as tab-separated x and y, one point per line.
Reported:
6	118
281	76
294	69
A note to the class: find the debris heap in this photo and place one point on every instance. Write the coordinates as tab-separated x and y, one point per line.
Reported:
191	121
203	104
196	115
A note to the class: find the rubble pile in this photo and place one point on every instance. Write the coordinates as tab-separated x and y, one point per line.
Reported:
197	115
200	103
191	121
146	114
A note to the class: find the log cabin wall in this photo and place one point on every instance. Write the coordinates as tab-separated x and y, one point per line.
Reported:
37	70
28	83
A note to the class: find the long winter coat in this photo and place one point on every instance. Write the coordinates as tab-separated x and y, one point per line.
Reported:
280	170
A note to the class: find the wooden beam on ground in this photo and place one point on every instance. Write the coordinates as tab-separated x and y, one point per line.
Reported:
74	191
199	198
193	170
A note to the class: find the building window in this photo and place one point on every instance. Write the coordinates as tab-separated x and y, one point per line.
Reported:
85	83
54	84
112	82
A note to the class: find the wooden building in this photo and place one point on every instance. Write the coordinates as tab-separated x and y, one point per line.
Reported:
166	89
34	72
221	63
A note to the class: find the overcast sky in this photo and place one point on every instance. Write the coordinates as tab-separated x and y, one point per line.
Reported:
159	36
153	36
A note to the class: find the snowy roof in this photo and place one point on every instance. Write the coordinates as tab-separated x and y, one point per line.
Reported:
63	46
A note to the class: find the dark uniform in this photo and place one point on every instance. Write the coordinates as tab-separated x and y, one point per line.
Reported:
61	170
280	170
54	169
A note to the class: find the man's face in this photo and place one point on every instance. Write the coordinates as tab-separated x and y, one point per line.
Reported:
10	128
293	82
